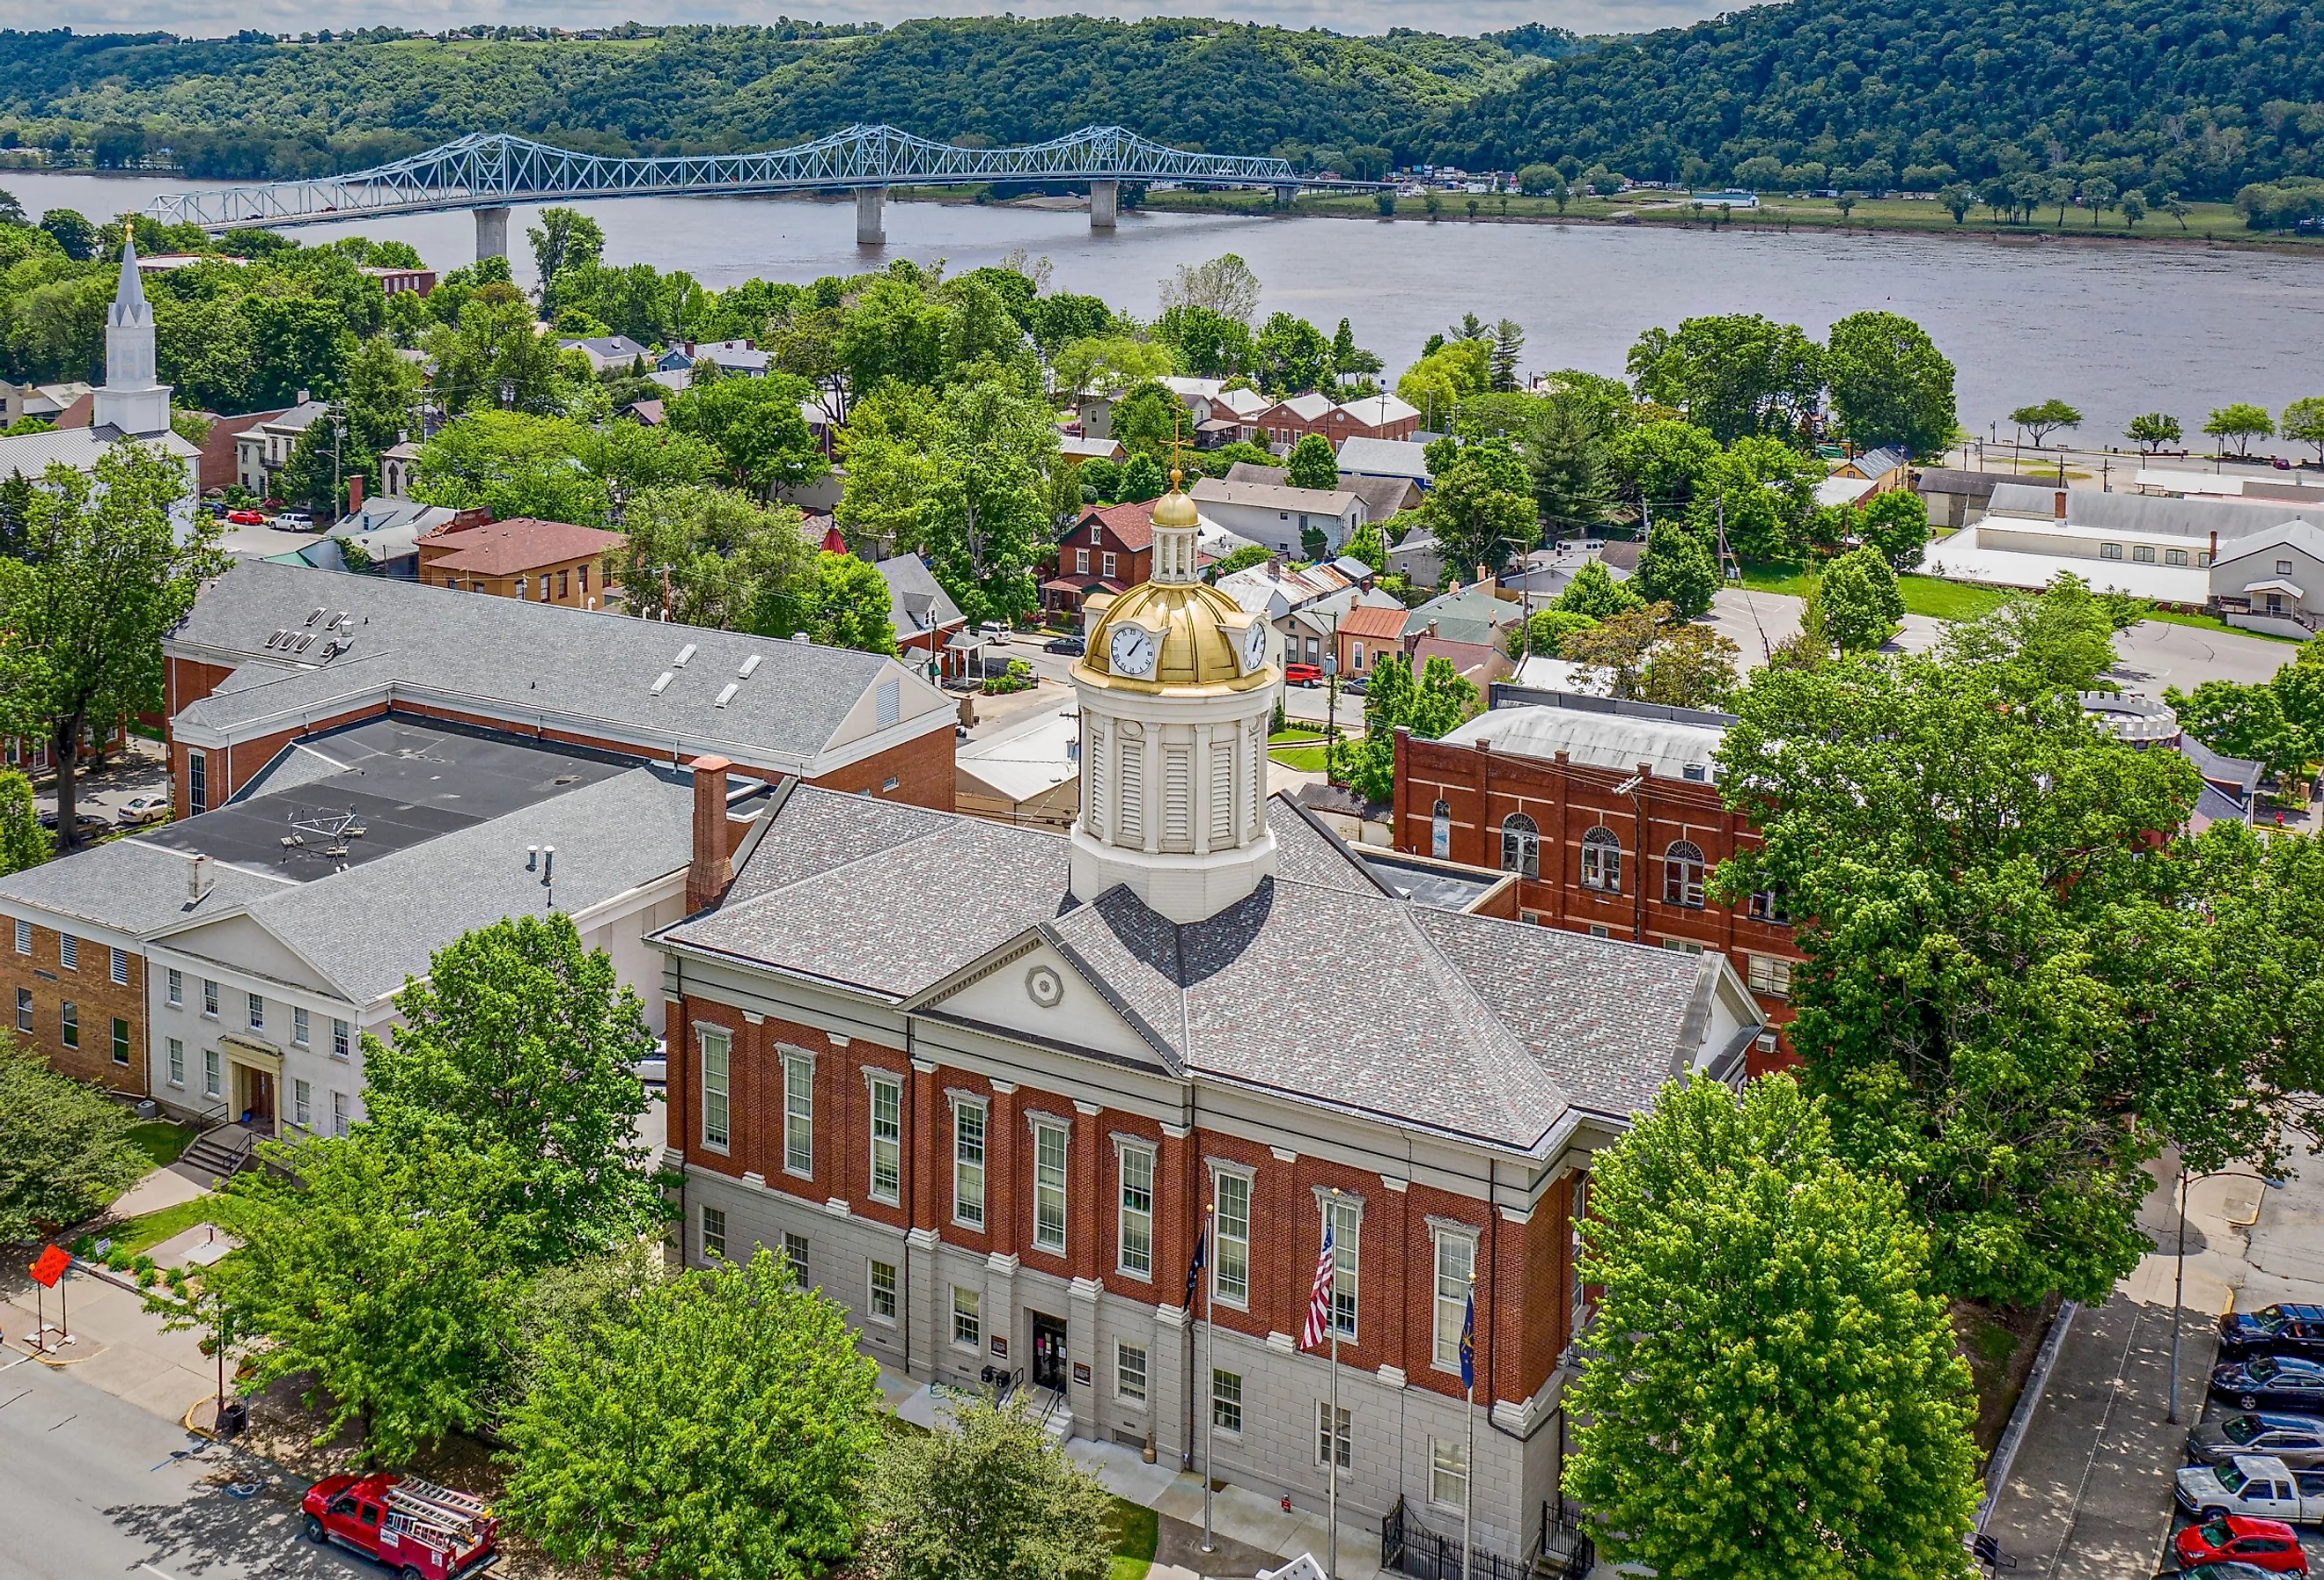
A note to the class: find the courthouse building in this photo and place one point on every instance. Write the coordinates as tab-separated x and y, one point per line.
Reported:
982	1083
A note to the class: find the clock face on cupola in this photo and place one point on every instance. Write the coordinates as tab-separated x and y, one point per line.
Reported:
1175	692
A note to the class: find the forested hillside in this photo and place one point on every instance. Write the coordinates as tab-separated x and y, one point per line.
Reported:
2194	95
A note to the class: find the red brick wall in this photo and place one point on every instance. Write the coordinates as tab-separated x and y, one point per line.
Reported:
1482	788
96	999
922	768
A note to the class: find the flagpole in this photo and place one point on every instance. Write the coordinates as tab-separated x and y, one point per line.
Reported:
1468	1492
1332	1458
1211	1414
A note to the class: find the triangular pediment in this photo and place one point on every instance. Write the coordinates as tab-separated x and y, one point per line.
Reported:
1035	989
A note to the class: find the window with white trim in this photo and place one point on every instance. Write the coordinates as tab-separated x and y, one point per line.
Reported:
882	1289
68	951
1770	976
23	937
1448	1474
717	1047
1520	846
968	1164
1231	1239
257	1005
1129	1371
1683	875
210	1072
176	985
69	1024
342	1038
1136	1253
177	1062
967	1327
799	1113
1347	1219
340	1114
302	1104
1048	1186
209	997
119	965
714	1233
298	1025
1226	1400
795	1257
24	1008
1601	860
1331	1442
887	1141
1456	1264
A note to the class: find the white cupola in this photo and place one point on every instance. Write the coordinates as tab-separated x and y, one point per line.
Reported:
131	400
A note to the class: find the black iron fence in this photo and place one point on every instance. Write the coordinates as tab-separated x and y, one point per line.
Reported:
1410	1547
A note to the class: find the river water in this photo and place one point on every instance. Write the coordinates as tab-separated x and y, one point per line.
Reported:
2113	330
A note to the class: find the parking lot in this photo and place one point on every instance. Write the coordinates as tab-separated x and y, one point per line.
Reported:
140	770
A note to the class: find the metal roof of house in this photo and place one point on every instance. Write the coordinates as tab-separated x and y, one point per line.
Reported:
1600	740
1274	497
2096	511
77	447
1385	458
525	659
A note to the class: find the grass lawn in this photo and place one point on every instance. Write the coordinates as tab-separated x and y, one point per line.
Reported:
1924	594
1136	1532
1306	759
161	1141
2213	623
147	1231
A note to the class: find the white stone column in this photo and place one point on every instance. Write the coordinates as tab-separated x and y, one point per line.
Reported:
1166	1365
492	234
927	1310
1081	1355
870	227
1104	197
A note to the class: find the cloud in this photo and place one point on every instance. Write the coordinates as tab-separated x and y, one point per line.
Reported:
213	18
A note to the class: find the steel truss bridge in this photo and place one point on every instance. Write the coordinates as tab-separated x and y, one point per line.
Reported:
489	171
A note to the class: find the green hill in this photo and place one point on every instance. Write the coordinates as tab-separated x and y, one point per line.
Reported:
2198	97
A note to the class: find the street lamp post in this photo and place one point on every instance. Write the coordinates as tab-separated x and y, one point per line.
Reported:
2179	1277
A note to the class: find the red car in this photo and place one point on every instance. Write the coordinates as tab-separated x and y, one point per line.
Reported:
245	518
419	1530
1303	675
2240	1539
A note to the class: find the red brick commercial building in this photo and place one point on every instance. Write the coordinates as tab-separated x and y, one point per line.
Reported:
1287	421
1612	823
307	650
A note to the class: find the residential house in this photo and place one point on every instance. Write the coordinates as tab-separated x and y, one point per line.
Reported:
1955	498
1610	814
1385	458
1373	417
1282	518
385	534
925	617
1221	415
46	402
731	356
1076	449
395	280
544	562
1883	466
263	448
1475	614
992	1122
2272	581
1382	496
272	652
1478	663
2230	791
613	351
1109	549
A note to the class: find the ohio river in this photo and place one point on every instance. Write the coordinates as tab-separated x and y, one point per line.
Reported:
2115	330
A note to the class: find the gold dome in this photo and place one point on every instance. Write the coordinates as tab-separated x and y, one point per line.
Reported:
1176	509
1199	626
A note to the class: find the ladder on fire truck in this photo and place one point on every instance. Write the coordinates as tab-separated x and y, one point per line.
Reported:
438	1516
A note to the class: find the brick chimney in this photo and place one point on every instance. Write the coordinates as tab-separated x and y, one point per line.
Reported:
354	494
706	875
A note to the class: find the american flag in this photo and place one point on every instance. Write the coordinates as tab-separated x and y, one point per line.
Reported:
1319	1303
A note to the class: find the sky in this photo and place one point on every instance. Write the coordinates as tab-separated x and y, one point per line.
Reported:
218	17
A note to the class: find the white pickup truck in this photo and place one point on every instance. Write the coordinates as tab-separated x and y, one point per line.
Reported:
2254	1484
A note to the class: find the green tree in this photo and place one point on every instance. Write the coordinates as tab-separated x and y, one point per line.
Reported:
1149	421
1107	365
756	427
2154	430
764	1420
1368	544
703	556
496	357
1534	180
1225	285
841	601
1290	355
1241	558
2041	418
1760	491
65	1150
1958	198
1508	345
1974	859
297	342
105	573
566	238
1861	602
1617	648
991	1498
1141	480
1593	592
382	394
2303	423
23	843
1207	344
1541	633
1350	360
2063	640
1735	376
72	232
2241	421
1890	385
1566	457
1660	462
1897	523
1766	1356
1311	463
512	465
519	1047
378	1272
2134	209
1429	706
1690	666
2243	721
1480	508
1676	569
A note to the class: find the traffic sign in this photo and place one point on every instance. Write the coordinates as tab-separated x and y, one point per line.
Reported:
51	1267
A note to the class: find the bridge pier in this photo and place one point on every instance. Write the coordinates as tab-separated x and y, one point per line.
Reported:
870	227
492	234
1284	195
1104	197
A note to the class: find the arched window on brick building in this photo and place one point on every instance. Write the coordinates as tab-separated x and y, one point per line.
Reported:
1520	846
1601	860
1683	875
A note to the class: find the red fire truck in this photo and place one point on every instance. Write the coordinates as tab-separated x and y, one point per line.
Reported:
418	1528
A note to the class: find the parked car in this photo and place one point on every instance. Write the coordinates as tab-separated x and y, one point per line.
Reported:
994	631
2280	463
245	518
414	1528
86	822
2296	1440
1355	685
297	520
1074	645
2271	1382
2229	1570
2268	1545
144	809
2273	1330
2253	1484
1303	675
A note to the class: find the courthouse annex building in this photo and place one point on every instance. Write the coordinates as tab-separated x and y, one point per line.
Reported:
982	1082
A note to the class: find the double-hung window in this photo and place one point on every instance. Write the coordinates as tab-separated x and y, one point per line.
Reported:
1456	1264
717	1046
1137	1251
1346	1218
209	997
24	1008
968	1164
176	983
1334	1434
1048	1186
799	1113
1230	1250
257	1011
1129	1371
210	1072
887	1139
1226	1400
342	1037
177	1062
120	1040
298	1026
1770	976
967	1328
883	1292
1448	1474
338	1113
302	1104
714	1233
69	1025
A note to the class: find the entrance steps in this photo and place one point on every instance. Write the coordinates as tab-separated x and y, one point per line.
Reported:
221	1152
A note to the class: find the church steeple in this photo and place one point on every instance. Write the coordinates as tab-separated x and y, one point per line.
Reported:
131	399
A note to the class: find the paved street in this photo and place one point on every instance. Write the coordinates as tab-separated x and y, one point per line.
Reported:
89	1487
